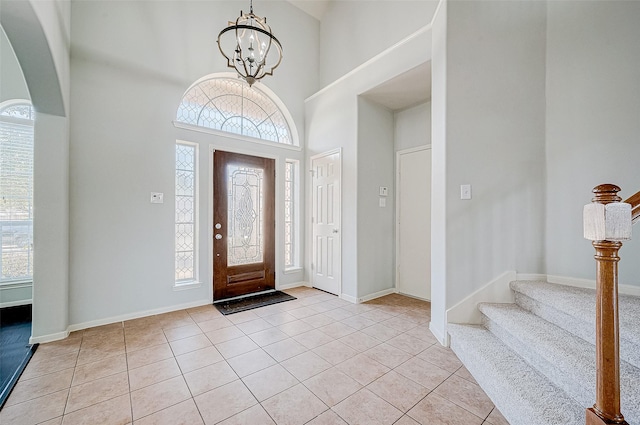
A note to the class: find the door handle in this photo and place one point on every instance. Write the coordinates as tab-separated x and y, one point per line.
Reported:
218	236
335	230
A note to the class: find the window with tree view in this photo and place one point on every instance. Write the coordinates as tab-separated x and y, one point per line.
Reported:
16	191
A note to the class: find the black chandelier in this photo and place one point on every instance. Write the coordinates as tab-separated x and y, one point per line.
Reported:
249	47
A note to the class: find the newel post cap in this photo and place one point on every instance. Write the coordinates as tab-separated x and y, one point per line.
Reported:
607	222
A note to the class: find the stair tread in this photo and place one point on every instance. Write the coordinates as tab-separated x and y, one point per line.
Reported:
580	303
565	351
525	397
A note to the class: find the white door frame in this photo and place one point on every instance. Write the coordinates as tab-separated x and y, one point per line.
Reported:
312	250
397	223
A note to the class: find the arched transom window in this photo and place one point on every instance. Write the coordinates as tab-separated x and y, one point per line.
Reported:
230	105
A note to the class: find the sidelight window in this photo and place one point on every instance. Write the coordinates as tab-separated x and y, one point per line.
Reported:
291	256
186	213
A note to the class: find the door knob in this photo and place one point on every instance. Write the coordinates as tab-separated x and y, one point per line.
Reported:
218	236
218	226
335	230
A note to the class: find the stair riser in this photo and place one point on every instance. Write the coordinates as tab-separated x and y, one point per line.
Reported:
583	394
629	351
493	391
575	377
524	397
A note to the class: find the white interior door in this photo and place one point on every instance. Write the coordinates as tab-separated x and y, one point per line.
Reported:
413	227
326	263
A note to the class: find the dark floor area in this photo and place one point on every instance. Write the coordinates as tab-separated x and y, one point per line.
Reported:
252	301
15	350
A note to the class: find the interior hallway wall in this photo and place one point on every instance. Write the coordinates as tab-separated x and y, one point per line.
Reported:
494	113
412	127
376	224
593	123
332	121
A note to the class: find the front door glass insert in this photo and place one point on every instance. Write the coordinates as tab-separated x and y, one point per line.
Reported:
245	215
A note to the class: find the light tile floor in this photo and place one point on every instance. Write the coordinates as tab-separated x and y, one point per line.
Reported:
317	360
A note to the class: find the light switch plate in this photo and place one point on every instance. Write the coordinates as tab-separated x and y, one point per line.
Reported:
384	191
382	202
465	191
157	197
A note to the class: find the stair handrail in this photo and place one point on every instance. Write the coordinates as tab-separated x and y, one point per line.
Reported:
608	221
634	201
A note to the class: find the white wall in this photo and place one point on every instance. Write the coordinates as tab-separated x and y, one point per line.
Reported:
51	226
12	84
332	122
495	121
412	127
55	19
593	111
353	32
131	63
376	225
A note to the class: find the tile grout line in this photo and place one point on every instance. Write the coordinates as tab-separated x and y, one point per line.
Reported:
377	321
126	359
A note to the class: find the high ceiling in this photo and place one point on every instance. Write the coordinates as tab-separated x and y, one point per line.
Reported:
315	8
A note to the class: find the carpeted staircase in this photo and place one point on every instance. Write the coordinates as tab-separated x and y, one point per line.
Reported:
536	358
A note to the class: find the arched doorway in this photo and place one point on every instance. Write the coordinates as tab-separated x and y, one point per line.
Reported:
38	34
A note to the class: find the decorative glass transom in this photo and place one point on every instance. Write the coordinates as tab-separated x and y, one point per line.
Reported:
20	110
230	105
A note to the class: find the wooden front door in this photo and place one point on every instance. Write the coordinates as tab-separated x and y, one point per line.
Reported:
244	224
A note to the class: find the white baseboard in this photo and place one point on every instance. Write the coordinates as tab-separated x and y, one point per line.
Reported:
293	285
349	298
577	282
531	276
591	284
137	315
496	291
49	338
442	339
16	303
115	319
377	295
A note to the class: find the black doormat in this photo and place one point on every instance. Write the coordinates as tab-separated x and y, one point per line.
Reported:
252	301
15	350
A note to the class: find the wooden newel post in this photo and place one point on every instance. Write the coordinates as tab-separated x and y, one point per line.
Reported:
606	410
